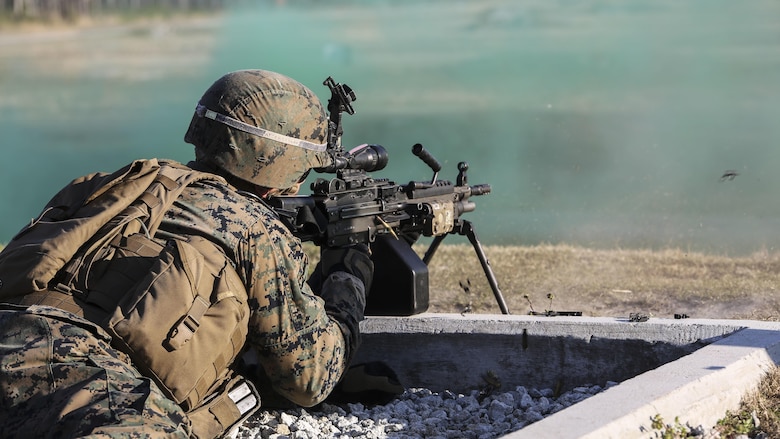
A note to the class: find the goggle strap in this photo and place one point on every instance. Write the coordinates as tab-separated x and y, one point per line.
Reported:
202	111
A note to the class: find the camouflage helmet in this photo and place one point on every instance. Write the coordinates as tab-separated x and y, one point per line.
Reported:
261	127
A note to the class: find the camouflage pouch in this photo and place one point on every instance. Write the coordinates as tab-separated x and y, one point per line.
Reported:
183	322
178	309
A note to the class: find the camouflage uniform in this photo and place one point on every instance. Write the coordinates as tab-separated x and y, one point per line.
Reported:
60	377
301	341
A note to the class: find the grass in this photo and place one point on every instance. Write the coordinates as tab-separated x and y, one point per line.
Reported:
54	14
759	412
608	282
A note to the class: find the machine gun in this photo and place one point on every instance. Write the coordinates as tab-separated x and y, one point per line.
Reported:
353	207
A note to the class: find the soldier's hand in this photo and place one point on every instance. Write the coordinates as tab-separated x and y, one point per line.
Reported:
354	259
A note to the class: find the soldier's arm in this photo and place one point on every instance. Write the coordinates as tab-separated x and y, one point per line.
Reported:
302	344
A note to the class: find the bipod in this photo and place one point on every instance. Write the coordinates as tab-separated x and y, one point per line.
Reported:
466	228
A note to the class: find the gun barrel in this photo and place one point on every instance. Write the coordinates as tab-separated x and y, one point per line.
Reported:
480	189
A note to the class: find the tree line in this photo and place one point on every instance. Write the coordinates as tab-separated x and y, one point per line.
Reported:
74	9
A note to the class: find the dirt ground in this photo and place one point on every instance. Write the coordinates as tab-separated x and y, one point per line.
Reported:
611	283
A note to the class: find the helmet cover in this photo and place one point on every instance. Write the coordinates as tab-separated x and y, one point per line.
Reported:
261	127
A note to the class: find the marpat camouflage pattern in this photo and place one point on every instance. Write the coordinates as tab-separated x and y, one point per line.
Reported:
59	377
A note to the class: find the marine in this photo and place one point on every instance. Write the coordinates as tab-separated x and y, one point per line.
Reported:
71	363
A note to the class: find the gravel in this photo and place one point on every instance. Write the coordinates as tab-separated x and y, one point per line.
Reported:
418	413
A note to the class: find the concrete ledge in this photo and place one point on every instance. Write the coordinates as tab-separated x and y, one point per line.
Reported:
698	388
694	369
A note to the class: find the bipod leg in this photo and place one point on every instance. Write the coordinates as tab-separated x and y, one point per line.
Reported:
468	229
432	248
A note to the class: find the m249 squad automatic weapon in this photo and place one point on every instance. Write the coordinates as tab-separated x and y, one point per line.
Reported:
353	208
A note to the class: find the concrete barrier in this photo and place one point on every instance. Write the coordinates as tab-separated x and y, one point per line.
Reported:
694	369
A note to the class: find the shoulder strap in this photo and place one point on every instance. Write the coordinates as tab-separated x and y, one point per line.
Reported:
167	187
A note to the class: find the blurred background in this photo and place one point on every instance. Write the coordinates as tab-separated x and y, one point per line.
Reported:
600	123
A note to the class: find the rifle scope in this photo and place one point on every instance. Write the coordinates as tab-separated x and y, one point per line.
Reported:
366	157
